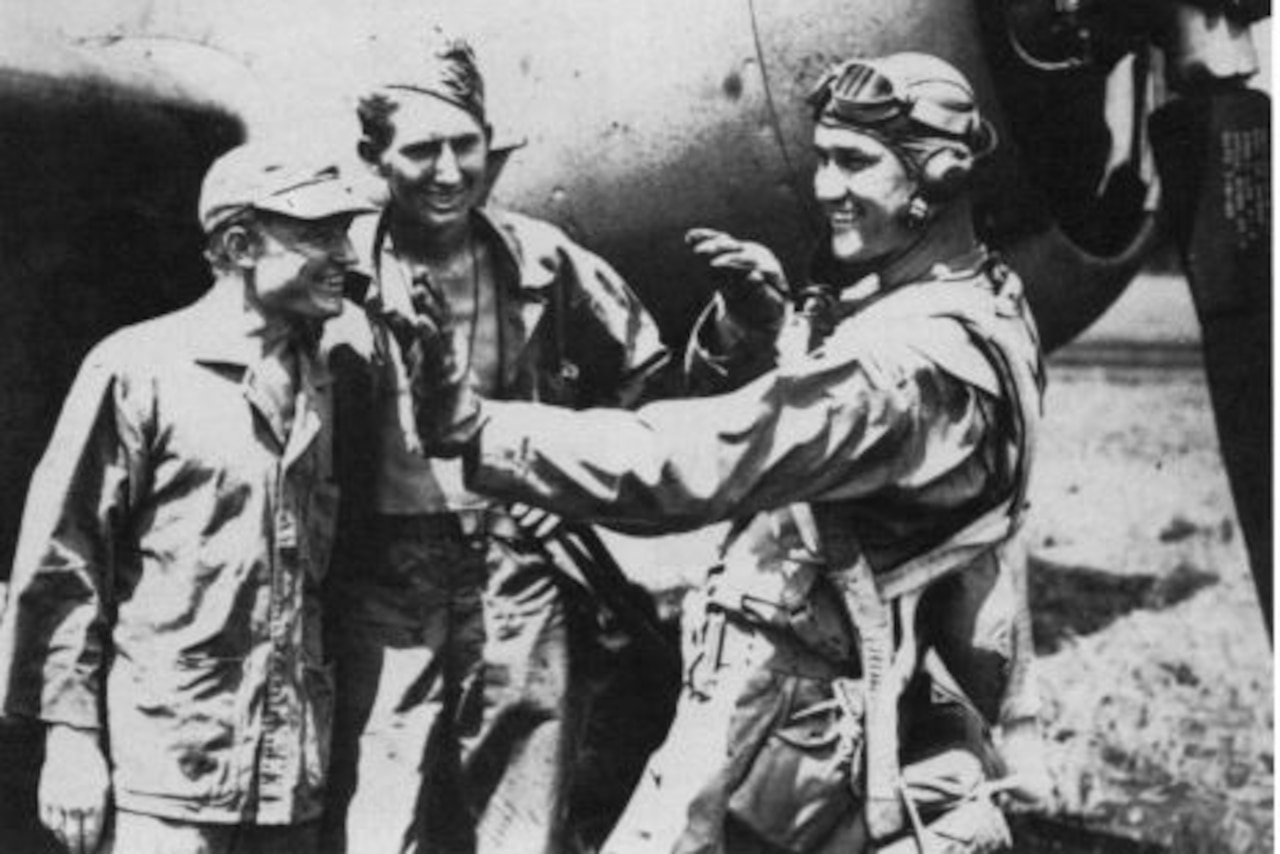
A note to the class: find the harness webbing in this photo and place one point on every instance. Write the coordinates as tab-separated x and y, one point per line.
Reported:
876	600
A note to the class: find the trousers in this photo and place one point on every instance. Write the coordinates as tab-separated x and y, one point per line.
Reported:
453	717
763	758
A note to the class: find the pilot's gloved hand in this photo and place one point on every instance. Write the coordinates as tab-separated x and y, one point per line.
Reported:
446	407
752	283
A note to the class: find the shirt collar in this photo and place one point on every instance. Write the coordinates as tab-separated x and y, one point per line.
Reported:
508	255
219	333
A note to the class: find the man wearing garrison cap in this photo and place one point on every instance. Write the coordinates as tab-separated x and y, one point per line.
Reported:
874	476
164	622
455	638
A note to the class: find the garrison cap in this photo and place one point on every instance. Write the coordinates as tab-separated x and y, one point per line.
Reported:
447	71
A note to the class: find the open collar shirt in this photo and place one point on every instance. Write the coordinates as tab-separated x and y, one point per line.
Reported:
166	582
570	332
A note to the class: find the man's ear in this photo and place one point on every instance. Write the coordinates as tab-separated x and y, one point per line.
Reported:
240	246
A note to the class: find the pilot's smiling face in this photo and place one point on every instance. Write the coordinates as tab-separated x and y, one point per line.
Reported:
864	190
435	164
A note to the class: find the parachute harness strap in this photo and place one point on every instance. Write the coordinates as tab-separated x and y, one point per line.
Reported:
875	604
885	669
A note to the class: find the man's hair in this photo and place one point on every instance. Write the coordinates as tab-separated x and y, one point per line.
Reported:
376	132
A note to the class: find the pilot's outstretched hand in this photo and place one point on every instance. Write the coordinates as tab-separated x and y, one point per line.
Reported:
752	282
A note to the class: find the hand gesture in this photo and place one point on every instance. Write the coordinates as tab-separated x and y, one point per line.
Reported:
425	334
75	788
446	409
753	284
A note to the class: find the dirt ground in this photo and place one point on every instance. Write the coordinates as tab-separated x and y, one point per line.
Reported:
1155	666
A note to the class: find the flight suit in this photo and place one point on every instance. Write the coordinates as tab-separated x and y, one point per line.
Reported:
909	424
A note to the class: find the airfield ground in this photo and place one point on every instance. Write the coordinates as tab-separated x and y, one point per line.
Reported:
1155	664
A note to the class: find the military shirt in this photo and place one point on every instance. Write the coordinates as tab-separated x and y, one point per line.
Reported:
167	576
570	332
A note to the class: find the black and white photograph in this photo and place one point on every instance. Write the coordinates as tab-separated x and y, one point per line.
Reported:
649	427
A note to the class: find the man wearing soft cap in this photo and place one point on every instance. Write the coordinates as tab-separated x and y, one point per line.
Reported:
874	476
460	647
164	615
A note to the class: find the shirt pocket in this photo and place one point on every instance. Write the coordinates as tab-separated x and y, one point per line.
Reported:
182	728
798	787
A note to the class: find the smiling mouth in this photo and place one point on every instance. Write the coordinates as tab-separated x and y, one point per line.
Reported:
445	200
843	219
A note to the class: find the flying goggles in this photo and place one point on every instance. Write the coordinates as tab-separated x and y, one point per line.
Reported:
861	93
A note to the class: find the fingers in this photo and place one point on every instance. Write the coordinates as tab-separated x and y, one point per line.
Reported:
725	252
51	818
709	243
401	327
535	522
73	821
694	236
421	294
522	513
92	829
740	259
547	526
79	830
427	314
430	302
535	596
414	333
75	787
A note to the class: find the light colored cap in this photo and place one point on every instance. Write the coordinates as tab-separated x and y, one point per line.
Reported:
279	178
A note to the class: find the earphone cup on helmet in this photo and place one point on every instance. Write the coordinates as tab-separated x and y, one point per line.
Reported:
944	172
918	213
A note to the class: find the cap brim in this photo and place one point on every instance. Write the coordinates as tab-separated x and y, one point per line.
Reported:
316	201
